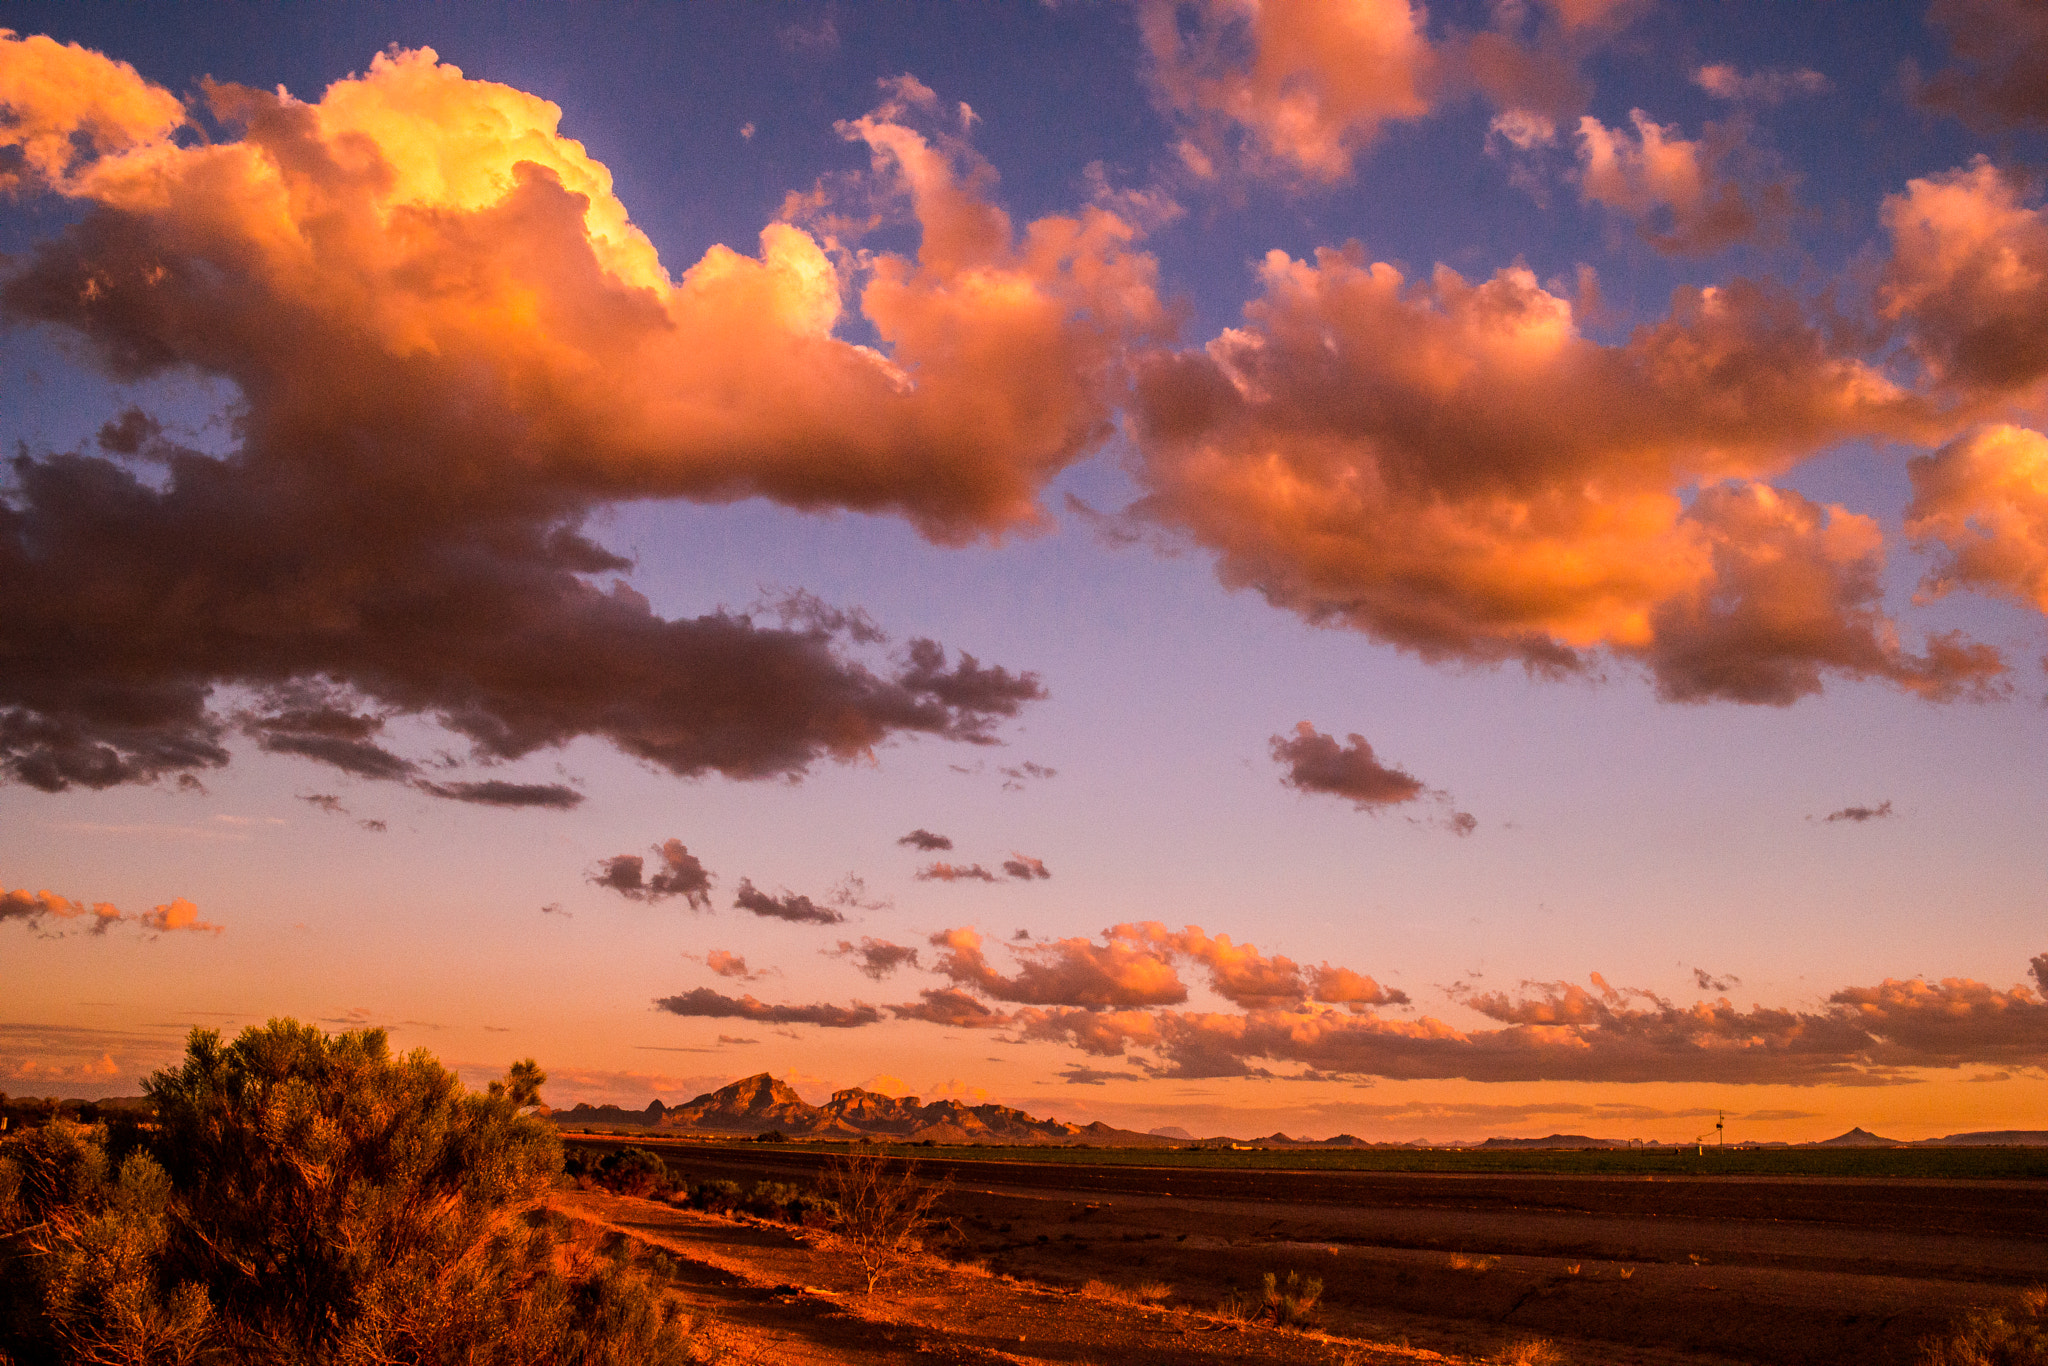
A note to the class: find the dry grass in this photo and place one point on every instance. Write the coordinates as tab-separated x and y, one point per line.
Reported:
1528	1352
1144	1295
2016	1335
1464	1261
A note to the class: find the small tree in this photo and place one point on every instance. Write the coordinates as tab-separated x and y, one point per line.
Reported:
879	1207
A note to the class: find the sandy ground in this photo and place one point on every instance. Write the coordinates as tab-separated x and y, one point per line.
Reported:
1783	1271
780	1296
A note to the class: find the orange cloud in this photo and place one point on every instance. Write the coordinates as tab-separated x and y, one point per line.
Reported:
67	107
176	914
1982	501
1681	192
32	908
1306	84
452	344
1564	1032
1062	971
1968	278
1454	468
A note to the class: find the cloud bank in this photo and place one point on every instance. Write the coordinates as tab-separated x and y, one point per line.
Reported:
451	344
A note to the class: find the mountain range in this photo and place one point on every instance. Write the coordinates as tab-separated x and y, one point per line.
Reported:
761	1104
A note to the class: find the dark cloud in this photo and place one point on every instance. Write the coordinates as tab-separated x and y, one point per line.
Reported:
556	908
925	841
2000	79
876	958
954	872
1077	1075
1317	763
704	1003
952	1008
316	723
623	873
1015	777
401	521
1859	814
497	792
1708	982
1025	868
326	801
789	906
681	874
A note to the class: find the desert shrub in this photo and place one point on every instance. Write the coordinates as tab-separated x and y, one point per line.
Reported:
716	1197
880	1208
1292	1302
1528	1352
310	1200
634	1171
2015	1335
777	1200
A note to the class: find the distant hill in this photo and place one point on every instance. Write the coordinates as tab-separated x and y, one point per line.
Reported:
761	1104
1990	1138
1174	1132
1555	1141
1858	1138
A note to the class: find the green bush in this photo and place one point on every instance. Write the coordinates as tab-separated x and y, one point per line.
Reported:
310	1200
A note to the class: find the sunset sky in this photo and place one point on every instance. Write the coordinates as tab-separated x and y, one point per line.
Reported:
1326	566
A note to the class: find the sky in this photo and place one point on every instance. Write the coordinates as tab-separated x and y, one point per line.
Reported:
1317	567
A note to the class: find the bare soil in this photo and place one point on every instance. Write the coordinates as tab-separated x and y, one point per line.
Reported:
1787	1271
782	1296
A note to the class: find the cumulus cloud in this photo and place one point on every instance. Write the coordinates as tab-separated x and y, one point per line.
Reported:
34	909
704	1003
1967	279
954	872
1684	195
1296	89
925	841
2000	79
681	874
1061	971
789	906
1724	82
1317	763
1796	589
1455	469
1860	814
876	958
1981	504
451	344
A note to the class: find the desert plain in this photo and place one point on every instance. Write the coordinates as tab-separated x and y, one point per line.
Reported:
1070	1256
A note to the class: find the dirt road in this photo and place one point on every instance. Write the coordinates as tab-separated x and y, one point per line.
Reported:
1791	1271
